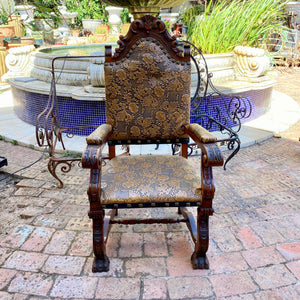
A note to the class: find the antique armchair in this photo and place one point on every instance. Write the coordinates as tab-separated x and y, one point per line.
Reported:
148	101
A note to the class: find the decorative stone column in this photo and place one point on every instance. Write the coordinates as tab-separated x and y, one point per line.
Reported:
18	62
96	71
251	63
96	75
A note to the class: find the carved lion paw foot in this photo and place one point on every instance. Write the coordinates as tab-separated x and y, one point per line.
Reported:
100	265
199	262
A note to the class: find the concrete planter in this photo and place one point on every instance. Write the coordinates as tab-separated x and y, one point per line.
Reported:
139	8
220	65
90	24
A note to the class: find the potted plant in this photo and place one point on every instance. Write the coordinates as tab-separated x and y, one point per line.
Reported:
126	21
233	23
91	13
6	30
75	27
46	14
101	33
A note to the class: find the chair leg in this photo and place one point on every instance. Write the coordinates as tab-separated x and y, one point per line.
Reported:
101	261
199	258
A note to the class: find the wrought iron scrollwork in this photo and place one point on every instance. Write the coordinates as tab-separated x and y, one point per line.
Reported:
48	129
66	167
223	115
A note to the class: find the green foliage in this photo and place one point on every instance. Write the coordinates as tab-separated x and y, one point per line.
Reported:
88	9
124	15
237	22
168	25
14	142
189	15
47	10
76	25
101	30
3	18
72	154
5	14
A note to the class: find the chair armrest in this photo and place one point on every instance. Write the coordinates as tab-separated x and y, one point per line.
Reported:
100	135
211	153
199	134
92	155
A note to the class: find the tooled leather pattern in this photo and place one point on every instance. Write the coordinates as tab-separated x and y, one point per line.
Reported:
147	94
150	178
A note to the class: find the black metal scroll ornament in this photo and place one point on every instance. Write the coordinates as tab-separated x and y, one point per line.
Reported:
49	132
223	116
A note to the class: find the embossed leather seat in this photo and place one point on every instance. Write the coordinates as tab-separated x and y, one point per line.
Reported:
148	101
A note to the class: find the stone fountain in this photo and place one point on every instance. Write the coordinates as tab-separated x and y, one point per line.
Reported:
80	81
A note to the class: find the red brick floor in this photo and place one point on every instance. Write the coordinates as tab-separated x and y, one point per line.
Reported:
46	246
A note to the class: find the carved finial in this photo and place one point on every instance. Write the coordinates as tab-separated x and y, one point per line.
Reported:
155	29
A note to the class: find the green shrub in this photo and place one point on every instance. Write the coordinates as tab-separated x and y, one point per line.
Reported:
88	9
189	15
237	22
124	15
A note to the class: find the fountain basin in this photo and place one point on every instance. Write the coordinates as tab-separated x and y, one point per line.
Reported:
80	104
72	71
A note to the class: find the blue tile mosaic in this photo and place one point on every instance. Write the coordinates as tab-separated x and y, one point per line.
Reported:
76	113
72	113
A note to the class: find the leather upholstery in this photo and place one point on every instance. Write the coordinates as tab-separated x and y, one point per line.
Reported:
147	94
150	178
201	133
100	135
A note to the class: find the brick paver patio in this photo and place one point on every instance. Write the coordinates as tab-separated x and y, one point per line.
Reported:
46	244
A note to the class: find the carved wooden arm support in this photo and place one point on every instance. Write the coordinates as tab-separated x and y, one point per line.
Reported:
211	156
91	157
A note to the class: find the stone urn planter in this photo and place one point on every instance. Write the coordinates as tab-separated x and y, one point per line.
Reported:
220	65
91	24
139	8
243	64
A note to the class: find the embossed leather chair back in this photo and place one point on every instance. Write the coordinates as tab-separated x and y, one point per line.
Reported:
148	85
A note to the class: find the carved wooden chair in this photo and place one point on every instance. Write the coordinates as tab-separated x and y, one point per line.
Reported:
148	101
